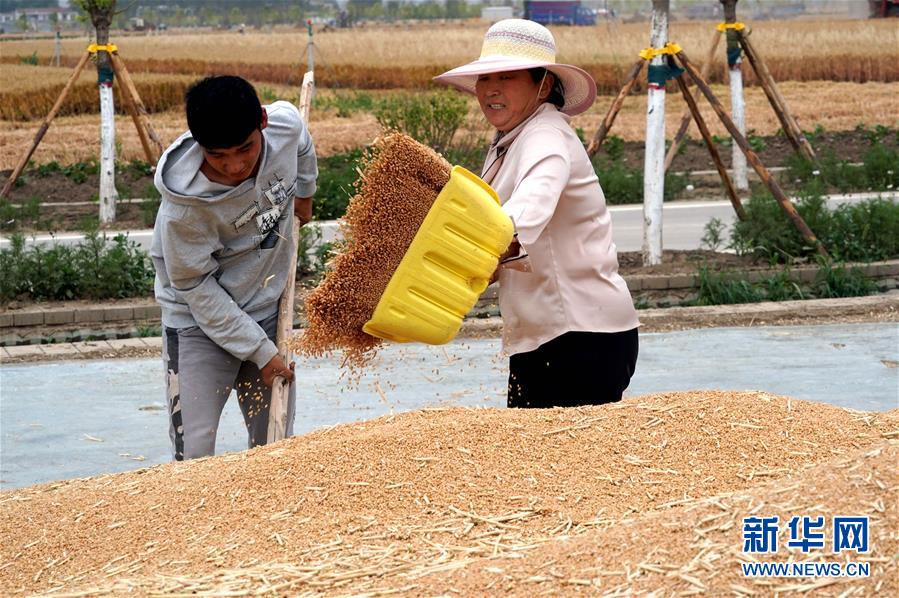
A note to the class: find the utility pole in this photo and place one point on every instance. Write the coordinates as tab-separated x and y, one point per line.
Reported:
654	163
101	13
737	101
57	49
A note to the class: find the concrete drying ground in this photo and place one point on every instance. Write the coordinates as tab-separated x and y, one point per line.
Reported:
78	418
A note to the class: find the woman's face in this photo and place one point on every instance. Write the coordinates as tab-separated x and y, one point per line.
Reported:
509	97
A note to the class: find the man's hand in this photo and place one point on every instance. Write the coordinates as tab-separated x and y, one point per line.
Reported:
302	209
277	367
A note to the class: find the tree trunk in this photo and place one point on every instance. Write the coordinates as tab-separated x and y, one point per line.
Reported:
101	17
654	163
737	101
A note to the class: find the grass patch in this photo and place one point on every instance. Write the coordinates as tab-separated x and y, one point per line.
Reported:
727	288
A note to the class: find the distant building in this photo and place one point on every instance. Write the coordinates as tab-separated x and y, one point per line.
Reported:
38	19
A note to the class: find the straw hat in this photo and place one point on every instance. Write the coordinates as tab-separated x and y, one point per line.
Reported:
517	44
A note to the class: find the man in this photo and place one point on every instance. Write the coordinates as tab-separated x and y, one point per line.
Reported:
230	188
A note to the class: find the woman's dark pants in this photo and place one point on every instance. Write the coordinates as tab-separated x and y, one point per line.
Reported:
576	368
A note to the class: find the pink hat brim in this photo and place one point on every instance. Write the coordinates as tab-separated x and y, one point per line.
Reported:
580	88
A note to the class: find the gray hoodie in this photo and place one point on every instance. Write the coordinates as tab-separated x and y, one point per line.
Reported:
222	253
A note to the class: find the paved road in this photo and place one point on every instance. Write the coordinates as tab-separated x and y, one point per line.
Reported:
682	227
76	418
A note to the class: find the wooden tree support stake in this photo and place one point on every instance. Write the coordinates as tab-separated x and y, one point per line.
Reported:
687	115
710	144
125	76
778	104
23	161
607	122
752	157
132	108
277	415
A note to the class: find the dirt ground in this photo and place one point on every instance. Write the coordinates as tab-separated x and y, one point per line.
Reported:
57	187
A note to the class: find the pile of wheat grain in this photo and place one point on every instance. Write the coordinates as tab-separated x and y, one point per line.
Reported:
399	183
645	495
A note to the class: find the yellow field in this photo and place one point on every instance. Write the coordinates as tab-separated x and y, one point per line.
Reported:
452	44
835	106
29	92
407	56
819	64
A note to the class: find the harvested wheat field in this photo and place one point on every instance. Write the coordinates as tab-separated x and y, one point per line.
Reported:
643	495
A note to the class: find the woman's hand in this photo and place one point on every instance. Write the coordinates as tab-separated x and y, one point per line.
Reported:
302	209
513	250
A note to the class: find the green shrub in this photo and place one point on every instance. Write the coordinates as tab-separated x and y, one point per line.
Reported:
151	192
336	175
312	263
863	231
98	268
79	171
148	210
347	103
839	281
779	287
713	237
140	168
430	118
12	216
45	170
881	168
877	173
8	215
622	184
768	234
614	147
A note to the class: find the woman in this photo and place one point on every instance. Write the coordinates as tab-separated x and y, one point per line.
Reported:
569	322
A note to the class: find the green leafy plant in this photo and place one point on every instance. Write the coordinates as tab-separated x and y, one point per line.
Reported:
758	144
140	168
30	59
347	103
723	141
780	287
717	288
79	171
859	231
148	331
840	281
266	94
312	252
814	135
12	216
614	147
148	210
713	237
47	169
336	175
97	268
431	118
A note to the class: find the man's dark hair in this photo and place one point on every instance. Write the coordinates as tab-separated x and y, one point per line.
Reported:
222	111
557	93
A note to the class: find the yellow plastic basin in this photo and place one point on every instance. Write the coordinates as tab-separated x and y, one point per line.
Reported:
447	266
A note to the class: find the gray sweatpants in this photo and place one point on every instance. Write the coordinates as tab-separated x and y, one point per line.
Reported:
200	376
